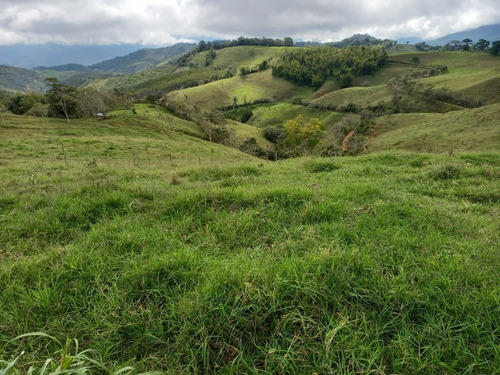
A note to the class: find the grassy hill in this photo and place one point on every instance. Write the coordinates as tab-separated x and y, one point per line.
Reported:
401	48
276	113
152	136
472	74
237	57
470	77
143	59
238	265
62	72
458	131
469	74
165	77
203	84
247	88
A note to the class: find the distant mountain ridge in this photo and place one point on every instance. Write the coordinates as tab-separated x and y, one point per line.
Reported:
64	68
487	32
51	54
142	59
131	63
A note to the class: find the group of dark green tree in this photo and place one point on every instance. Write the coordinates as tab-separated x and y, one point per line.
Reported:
67	102
482	45
312	66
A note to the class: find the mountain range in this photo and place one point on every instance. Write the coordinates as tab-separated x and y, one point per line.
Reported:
31	55
488	32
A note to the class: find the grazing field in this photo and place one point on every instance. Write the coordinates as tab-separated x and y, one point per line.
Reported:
150	137
243	132
247	88
239	56
470	75
277	114
458	131
475	75
385	263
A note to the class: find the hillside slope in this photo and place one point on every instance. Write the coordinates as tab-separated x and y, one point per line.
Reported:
459	131
19	79
142	59
151	136
236	57
261	86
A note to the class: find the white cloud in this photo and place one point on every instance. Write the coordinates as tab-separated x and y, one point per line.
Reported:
156	22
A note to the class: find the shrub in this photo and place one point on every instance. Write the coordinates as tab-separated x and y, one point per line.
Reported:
273	133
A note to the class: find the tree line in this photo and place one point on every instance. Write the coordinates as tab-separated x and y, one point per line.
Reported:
482	45
312	66
67	102
242	41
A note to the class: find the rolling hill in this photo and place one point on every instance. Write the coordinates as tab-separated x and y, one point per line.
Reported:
143	59
19	79
458	131
211	80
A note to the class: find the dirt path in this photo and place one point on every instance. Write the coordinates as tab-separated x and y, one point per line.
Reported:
28	88
345	140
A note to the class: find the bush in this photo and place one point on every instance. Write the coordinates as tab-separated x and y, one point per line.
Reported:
273	133
246	115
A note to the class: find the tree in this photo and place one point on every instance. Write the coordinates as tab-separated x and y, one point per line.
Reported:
273	133
61	99
345	78
456	45
38	110
495	48
482	45
246	115
299	131
15	104
90	102
466	44
422	46
288	42
202	46
213	122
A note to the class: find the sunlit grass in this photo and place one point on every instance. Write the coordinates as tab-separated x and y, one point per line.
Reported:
300	266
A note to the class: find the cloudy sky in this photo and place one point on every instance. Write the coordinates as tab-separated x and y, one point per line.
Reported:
165	22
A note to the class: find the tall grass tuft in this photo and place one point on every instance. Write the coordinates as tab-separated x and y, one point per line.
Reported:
68	360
